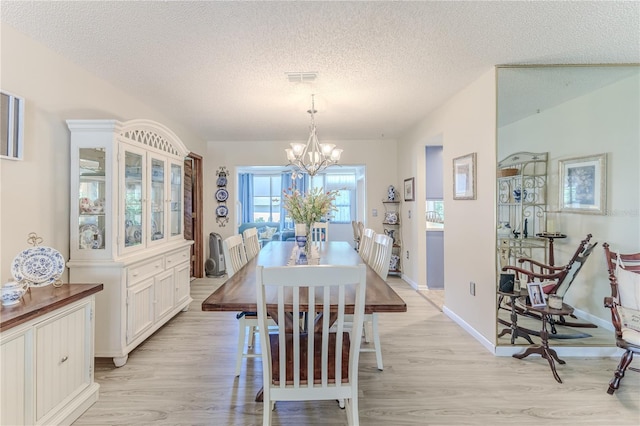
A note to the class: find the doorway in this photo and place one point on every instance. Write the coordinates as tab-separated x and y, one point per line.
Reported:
193	200
434	216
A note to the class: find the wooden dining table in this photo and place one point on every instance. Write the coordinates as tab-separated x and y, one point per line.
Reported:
238	293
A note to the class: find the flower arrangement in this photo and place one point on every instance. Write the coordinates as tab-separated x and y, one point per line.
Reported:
309	208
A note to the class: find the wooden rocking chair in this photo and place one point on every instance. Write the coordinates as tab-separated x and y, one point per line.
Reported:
554	279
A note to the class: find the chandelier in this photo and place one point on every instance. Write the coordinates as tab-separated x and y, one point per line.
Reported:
314	156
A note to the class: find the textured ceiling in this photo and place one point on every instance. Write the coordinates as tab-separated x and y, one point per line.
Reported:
219	67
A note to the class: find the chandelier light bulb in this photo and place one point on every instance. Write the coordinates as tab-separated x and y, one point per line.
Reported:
298	148
327	148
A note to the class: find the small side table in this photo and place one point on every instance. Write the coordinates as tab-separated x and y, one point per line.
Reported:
551	237
513	325
543	349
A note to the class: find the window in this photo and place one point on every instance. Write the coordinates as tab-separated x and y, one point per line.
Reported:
346	200
435	211
11	126
260	193
267	194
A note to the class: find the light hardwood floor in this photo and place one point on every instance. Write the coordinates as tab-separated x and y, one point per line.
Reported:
435	374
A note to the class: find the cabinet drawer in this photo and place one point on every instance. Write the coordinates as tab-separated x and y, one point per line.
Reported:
177	257
141	271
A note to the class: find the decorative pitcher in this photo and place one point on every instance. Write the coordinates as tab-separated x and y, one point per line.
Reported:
390	233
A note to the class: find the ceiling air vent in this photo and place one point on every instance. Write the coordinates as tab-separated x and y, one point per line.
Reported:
302	77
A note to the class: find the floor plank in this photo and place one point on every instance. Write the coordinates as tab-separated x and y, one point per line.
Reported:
435	374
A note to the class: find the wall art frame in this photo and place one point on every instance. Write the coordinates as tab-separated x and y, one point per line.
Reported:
464	177
583	184
409	189
11	126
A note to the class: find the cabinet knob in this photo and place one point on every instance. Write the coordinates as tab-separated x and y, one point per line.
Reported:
64	358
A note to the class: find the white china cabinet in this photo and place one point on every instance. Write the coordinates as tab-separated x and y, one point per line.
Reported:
127	191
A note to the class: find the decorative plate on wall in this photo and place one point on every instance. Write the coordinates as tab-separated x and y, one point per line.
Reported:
222	211
222	195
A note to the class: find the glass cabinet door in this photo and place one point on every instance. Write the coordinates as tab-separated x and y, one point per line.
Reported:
176	200
91	199
133	206
157	199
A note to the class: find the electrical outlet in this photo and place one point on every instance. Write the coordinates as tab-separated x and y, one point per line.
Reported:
374	213
407	254
472	288
409	214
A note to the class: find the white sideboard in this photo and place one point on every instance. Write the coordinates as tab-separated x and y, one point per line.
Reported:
46	348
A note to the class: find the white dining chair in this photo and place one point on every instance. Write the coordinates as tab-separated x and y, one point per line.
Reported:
356	234
288	373
381	254
235	257
366	244
320	232
251	242
379	262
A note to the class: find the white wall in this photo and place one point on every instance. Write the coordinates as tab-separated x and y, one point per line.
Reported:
34	193
466	124
379	158
603	121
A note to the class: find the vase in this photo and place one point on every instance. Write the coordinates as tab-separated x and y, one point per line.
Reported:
301	229
302	251
519	194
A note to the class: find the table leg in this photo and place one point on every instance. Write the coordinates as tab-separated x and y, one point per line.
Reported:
544	350
551	258
513	326
547	352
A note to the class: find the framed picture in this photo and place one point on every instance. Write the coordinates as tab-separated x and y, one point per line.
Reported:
536	296
464	177
11	126
583	184
409	190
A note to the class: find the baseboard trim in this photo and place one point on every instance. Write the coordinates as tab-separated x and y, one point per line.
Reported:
509	350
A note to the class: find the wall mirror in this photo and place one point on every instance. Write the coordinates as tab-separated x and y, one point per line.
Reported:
555	121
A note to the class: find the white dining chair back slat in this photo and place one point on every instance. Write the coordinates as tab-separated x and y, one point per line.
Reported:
235	256
366	244
320	232
381	255
251	242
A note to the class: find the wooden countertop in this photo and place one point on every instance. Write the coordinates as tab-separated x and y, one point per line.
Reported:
42	300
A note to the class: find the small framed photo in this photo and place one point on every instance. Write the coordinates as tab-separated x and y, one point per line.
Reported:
583	184
409	189
464	177
536	295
